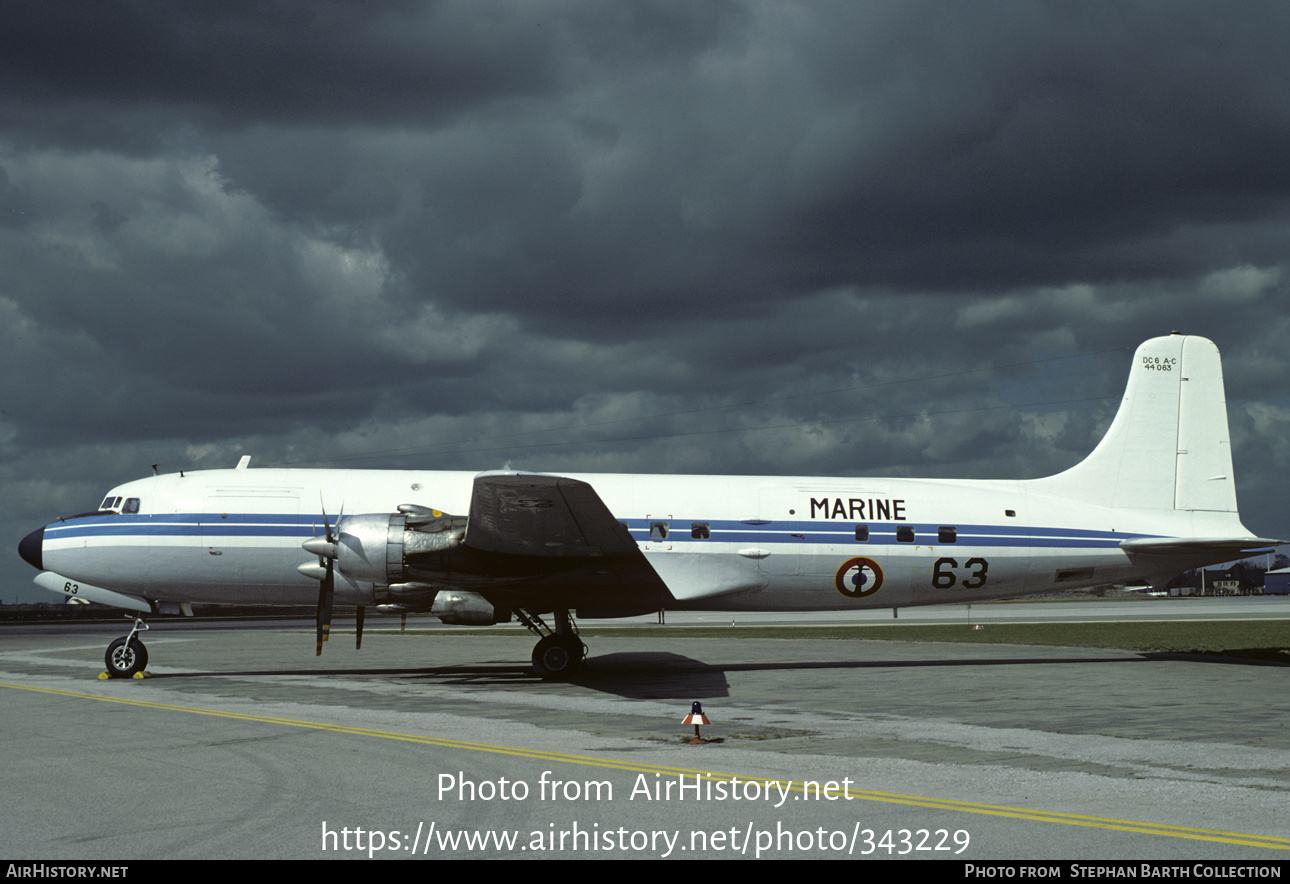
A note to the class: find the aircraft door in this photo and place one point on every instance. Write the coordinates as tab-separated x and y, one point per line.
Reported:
770	536
250	539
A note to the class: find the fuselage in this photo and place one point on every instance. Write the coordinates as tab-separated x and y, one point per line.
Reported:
718	542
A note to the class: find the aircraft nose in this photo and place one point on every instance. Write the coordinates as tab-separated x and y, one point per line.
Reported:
31	548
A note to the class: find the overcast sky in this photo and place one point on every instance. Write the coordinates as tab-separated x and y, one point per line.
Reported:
893	238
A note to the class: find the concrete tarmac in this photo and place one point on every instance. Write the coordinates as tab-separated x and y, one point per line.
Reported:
244	744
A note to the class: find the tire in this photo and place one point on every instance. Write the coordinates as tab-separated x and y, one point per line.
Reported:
558	657
123	661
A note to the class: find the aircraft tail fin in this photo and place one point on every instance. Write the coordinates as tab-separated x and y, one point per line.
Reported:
1168	447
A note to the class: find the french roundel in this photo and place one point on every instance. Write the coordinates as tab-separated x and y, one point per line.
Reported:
858	578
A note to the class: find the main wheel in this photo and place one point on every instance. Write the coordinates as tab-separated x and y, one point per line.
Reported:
124	660
558	656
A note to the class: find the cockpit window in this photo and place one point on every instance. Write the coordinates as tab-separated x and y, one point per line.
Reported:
110	503
131	505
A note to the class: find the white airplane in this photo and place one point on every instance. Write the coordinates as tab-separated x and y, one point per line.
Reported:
1155	498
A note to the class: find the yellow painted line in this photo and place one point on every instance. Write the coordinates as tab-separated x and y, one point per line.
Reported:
1019	813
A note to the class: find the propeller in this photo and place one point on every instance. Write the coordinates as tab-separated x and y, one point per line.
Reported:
326	548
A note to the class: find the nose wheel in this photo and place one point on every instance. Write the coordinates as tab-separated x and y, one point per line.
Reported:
127	655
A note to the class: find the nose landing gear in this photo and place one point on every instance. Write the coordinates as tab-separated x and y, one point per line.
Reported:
127	655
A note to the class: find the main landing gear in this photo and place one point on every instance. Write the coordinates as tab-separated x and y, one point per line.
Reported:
559	653
127	655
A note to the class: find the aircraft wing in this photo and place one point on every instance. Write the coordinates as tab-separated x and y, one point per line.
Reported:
532	514
552	542
1237	546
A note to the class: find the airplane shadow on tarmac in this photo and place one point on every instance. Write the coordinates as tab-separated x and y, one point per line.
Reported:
657	676
641	675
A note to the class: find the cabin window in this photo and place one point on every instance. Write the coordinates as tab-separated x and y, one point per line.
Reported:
658	530
905	534
862	533
700	530
131	505
946	534
1011	514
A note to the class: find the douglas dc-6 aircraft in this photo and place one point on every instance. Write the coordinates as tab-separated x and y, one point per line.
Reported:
1155	498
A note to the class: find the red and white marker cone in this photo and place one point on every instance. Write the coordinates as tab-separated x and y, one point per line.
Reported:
696	718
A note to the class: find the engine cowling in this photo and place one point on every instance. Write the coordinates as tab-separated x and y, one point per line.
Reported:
374	548
370	548
467	609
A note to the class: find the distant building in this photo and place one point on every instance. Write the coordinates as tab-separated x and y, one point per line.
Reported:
1277	582
1239	579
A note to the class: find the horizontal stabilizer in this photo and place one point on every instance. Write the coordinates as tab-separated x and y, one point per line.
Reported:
1237	546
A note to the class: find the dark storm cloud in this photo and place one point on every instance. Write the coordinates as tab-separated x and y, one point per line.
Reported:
699	237
911	147
231	65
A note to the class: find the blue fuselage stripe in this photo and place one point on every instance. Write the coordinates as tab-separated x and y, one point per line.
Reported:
203	525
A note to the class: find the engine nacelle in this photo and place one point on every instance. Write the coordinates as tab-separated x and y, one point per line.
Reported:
375	547
414	595
466	609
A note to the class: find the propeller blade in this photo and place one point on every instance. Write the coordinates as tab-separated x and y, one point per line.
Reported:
331	538
325	594
358	644
326	523
340	517
322	595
